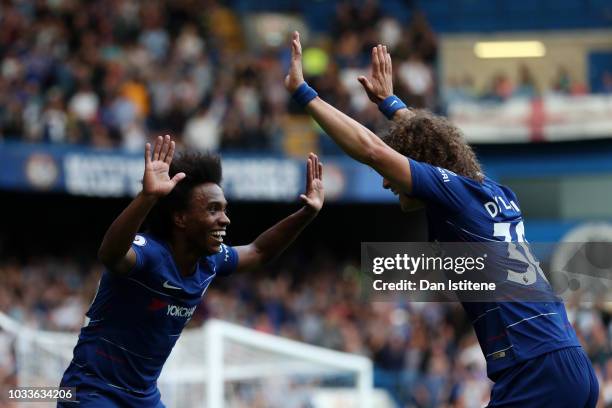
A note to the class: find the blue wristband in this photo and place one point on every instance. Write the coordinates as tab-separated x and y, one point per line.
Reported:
304	94
390	105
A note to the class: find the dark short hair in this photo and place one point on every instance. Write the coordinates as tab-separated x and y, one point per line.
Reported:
199	168
433	139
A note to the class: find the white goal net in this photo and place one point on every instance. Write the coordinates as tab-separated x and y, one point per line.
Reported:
219	365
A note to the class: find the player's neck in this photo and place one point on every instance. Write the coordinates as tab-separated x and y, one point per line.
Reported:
185	258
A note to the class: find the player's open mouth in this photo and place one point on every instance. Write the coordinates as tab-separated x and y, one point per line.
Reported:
218	235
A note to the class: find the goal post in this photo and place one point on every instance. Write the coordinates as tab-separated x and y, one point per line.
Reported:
293	358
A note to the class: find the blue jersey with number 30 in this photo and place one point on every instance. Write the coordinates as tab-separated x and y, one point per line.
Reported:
460	209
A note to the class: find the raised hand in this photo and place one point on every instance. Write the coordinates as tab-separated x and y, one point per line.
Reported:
156	180
380	84
295	77
313	197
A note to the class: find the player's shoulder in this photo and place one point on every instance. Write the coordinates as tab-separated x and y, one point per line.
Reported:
223	262
446	176
496	189
224	255
143	240
150	245
486	193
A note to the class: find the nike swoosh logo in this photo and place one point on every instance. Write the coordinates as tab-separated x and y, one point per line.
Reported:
168	286
393	103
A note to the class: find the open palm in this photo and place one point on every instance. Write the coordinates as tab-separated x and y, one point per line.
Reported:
380	84
295	77
314	196
156	180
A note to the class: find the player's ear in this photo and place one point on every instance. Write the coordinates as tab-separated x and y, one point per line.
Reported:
179	219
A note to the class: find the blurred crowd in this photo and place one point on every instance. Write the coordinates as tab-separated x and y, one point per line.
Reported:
501	87
112	73
425	354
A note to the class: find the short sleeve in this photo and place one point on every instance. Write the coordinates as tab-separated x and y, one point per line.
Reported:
439	186
143	246
225	261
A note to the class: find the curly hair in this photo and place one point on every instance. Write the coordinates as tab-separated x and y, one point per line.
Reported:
199	168
434	140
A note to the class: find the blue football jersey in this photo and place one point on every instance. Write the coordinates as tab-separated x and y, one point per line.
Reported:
135	320
460	209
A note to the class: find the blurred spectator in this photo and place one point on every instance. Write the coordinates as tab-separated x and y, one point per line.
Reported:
54	118
459	90
562	83
526	87
202	131
418	80
84	104
499	89
422	39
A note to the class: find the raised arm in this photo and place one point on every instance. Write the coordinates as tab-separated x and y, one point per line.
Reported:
277	238
116	252
379	87
355	139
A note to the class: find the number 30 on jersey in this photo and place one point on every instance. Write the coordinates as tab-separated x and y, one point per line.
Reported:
518	250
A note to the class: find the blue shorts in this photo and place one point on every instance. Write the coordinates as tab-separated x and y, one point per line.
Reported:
91	392
560	379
